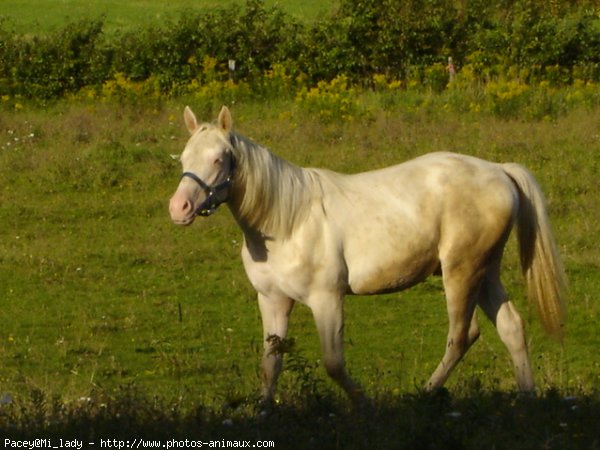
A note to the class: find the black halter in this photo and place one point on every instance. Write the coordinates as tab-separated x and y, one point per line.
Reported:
216	194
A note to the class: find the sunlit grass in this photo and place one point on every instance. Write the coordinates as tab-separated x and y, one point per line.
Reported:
104	299
34	16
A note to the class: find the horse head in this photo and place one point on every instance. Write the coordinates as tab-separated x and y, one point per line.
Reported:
208	168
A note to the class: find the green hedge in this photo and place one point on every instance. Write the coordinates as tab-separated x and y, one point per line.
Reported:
535	40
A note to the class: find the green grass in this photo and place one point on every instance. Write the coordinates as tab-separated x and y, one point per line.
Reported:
35	16
103	298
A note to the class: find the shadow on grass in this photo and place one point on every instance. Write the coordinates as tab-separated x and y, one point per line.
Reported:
475	420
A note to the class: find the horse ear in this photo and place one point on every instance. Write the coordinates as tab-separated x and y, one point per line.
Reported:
225	121
190	120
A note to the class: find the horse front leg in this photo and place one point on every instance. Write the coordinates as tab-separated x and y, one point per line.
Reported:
275	312
329	317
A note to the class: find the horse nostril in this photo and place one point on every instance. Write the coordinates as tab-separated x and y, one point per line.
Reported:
179	206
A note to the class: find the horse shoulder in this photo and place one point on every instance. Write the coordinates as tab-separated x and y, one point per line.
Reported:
294	266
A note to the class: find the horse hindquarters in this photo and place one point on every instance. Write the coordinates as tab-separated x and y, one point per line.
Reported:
543	270
475	231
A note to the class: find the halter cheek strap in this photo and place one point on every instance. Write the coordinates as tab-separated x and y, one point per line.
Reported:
216	194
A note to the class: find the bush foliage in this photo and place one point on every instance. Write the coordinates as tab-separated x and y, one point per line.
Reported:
409	41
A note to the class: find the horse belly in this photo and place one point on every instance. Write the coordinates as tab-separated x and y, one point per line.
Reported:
386	268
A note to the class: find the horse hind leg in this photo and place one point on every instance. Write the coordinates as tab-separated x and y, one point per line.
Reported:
463	330
509	325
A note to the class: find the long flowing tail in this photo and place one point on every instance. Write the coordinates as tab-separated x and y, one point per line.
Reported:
540	261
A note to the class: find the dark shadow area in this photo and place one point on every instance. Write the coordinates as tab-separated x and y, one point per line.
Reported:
477	420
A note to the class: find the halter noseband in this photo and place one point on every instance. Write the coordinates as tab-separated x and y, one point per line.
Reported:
216	194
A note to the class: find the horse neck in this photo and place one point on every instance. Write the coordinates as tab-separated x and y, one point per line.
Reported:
270	195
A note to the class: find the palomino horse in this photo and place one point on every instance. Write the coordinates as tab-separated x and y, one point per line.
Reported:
312	236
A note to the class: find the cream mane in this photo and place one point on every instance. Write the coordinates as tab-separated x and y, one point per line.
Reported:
276	194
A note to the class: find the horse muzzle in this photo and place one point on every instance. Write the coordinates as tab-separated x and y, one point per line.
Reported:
181	209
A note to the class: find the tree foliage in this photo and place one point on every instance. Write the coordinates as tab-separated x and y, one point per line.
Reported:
538	40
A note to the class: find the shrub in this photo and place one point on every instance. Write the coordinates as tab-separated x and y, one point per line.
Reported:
436	77
506	98
217	93
277	83
331	101
51	66
407	41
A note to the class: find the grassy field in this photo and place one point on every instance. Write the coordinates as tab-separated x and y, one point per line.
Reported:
35	16
105	302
